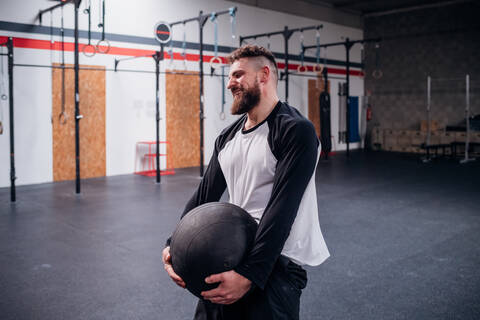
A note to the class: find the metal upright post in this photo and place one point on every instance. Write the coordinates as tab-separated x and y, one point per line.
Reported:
13	197
467	119
286	36
77	103
348	46
202	19
157	58
429	105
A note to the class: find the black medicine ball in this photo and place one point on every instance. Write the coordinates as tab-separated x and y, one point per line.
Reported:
211	238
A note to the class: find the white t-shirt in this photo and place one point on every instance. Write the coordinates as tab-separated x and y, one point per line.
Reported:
269	171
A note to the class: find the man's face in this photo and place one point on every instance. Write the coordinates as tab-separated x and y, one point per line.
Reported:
243	83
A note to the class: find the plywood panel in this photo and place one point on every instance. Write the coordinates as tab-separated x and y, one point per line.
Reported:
183	126
315	87
92	126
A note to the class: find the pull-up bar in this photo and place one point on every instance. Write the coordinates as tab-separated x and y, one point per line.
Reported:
348	45
287	33
202	19
117	61
78	116
157	57
61	4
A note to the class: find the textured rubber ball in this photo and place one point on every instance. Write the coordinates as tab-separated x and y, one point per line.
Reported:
210	239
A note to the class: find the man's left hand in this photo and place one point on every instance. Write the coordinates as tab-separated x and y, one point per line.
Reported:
232	287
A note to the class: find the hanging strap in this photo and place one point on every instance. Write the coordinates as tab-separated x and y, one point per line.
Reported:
215	58
88	10
213	18
232	11
302	55
222	113
301	67
3	88
103	46
51	37
377	73
184	47
62	33
62	117
170	52
318	67
89	50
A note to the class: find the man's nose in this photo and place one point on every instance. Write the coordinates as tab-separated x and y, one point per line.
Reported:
231	83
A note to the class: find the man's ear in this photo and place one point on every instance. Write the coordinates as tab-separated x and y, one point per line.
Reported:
264	74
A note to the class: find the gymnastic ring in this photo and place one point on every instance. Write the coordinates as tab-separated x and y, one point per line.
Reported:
216	60
377	74
62	117
301	68
318	68
4	97
106	45
88	53
222	115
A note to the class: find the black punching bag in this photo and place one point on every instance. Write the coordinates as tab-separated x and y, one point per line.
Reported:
325	131
210	239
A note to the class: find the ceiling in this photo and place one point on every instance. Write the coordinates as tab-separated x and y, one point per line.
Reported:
349	13
380	7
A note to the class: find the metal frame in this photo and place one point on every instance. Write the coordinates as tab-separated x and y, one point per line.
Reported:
467	114
201	19
9	45
348	44
157	57
286	33
78	116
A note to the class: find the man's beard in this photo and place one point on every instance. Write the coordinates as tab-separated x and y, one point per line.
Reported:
246	100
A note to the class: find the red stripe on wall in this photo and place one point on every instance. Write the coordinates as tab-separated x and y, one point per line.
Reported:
69	46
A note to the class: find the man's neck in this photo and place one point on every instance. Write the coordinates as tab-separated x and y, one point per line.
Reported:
260	112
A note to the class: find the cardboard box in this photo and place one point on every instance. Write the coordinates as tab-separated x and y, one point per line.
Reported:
416	150
418	138
460	136
447	137
475	137
435	137
404	140
390	142
434	126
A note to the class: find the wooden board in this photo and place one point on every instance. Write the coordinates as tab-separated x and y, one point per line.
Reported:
183	124
92	126
315	87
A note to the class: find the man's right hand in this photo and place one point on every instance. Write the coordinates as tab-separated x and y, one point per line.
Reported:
167	263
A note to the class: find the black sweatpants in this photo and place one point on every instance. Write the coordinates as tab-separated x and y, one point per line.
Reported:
279	300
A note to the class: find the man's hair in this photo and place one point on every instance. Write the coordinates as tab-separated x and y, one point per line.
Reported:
254	51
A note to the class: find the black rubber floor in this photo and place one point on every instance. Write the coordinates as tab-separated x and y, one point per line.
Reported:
404	238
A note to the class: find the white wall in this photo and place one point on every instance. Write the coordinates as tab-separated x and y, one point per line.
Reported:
130	97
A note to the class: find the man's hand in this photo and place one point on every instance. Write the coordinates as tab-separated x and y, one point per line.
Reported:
167	263
232	287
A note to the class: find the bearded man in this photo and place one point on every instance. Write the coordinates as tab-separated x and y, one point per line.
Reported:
267	161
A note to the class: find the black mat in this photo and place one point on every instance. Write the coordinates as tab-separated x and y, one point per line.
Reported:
404	238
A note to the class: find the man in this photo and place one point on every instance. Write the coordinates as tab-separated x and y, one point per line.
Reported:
266	159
